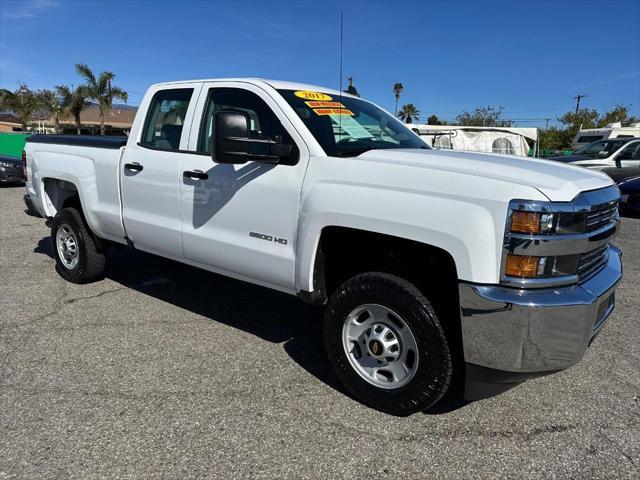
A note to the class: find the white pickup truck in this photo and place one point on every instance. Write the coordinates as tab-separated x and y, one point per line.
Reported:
437	268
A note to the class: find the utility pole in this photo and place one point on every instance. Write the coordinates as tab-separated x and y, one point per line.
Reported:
546	127
577	99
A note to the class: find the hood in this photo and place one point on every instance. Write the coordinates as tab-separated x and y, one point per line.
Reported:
557	181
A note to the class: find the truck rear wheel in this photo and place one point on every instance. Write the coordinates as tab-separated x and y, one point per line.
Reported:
386	345
78	260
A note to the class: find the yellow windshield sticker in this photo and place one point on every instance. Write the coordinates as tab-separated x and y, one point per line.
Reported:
308	95
332	111
325	104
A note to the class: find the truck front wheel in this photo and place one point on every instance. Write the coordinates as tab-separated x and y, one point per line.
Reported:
386	345
78	260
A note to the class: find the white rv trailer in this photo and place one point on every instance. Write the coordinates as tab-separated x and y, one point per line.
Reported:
612	130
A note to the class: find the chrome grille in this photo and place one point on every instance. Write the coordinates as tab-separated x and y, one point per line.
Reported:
592	261
602	215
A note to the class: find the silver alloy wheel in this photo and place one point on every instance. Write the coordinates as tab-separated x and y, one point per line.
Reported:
67	246
380	346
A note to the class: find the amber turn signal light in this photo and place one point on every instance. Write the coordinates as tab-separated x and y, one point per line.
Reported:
525	222
521	266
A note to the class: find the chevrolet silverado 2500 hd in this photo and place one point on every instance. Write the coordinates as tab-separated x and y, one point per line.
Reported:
437	268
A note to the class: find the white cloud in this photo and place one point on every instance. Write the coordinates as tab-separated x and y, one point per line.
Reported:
606	81
27	9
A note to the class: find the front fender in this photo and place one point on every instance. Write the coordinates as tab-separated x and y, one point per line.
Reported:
469	227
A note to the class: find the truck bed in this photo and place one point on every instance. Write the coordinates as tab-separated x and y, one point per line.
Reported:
88	165
95	141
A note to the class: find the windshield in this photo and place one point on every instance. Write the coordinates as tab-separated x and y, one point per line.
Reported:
603	148
347	127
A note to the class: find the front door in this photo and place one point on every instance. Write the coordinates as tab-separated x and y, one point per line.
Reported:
242	220
629	156
150	175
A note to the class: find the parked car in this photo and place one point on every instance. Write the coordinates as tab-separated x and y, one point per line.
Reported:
434	266
630	190
621	153
621	173
10	170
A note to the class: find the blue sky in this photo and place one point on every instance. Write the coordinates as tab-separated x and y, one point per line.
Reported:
532	57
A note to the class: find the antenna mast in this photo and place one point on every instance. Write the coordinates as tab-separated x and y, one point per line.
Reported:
341	41
340	83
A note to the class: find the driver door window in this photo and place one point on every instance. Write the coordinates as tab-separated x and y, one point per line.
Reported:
263	123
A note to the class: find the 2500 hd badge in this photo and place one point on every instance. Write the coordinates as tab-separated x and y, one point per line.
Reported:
268	238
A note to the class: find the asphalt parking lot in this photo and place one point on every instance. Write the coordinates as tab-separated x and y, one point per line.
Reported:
166	371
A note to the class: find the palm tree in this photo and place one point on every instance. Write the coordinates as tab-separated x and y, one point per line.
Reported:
397	90
99	88
52	105
23	102
351	88
74	101
408	113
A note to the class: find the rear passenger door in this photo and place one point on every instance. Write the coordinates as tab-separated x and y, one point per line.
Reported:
150	170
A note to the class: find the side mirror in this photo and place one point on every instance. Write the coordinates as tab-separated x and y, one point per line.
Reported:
233	142
625	154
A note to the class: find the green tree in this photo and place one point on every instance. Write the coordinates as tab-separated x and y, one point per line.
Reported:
74	101
408	113
52	104
100	89
554	138
483	117
619	113
398	88
584	118
23	102
434	120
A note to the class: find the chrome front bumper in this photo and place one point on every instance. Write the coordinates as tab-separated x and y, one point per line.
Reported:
536	330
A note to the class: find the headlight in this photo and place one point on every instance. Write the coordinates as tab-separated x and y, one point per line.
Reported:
528	228
545	223
529	267
558	243
6	164
531	222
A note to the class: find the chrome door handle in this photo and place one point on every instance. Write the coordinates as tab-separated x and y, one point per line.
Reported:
134	167
195	174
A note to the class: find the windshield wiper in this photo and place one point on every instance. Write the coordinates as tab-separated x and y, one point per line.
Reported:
355	153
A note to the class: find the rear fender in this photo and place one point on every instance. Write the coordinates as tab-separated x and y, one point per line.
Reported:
58	176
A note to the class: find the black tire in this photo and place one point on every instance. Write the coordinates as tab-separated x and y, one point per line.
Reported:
91	262
434	369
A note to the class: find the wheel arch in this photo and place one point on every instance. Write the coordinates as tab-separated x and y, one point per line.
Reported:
59	194
341	252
